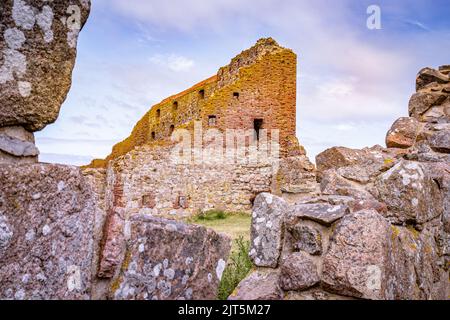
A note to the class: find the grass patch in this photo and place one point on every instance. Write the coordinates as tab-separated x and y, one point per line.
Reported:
239	265
234	225
211	215
237	227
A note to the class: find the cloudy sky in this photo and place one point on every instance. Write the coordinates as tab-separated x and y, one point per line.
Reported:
352	82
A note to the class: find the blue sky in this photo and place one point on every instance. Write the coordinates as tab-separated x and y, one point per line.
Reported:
352	82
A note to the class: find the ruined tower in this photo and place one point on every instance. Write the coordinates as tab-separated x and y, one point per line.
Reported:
256	91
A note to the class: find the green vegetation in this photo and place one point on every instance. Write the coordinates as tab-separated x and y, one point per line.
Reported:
239	265
237	227
234	225
212	215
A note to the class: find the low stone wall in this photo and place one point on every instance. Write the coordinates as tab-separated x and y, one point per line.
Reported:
46	232
58	241
336	247
377	228
146	181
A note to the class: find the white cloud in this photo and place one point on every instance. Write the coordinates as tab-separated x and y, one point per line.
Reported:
417	24
352	84
173	62
344	127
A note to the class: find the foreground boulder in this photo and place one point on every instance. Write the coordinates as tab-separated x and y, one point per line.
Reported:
418	270
168	260
412	192
267	229
46	239
298	272
356	262
38	49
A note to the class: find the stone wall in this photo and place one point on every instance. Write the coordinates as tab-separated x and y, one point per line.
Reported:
259	83
147	182
376	226
63	235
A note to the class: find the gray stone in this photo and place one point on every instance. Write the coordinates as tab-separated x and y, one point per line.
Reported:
267	230
306	239
298	272
46	236
440	141
323	213
37	55
355	264
169	260
411	193
421	102
18	147
259	285
331	199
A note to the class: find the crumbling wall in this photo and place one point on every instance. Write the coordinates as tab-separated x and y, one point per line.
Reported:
379	226
259	83
150	183
60	228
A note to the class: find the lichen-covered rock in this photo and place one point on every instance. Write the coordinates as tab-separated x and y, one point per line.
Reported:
169	260
368	204
428	76
323	213
17	144
356	262
421	102
314	294
306	238
298	272
46	239
357	165
440	141
37	54
259	285
411	192
403	133
334	184
423	152
416	269
267	230
337	157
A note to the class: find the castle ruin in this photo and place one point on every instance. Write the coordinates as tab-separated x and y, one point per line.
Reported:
366	224
256	93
